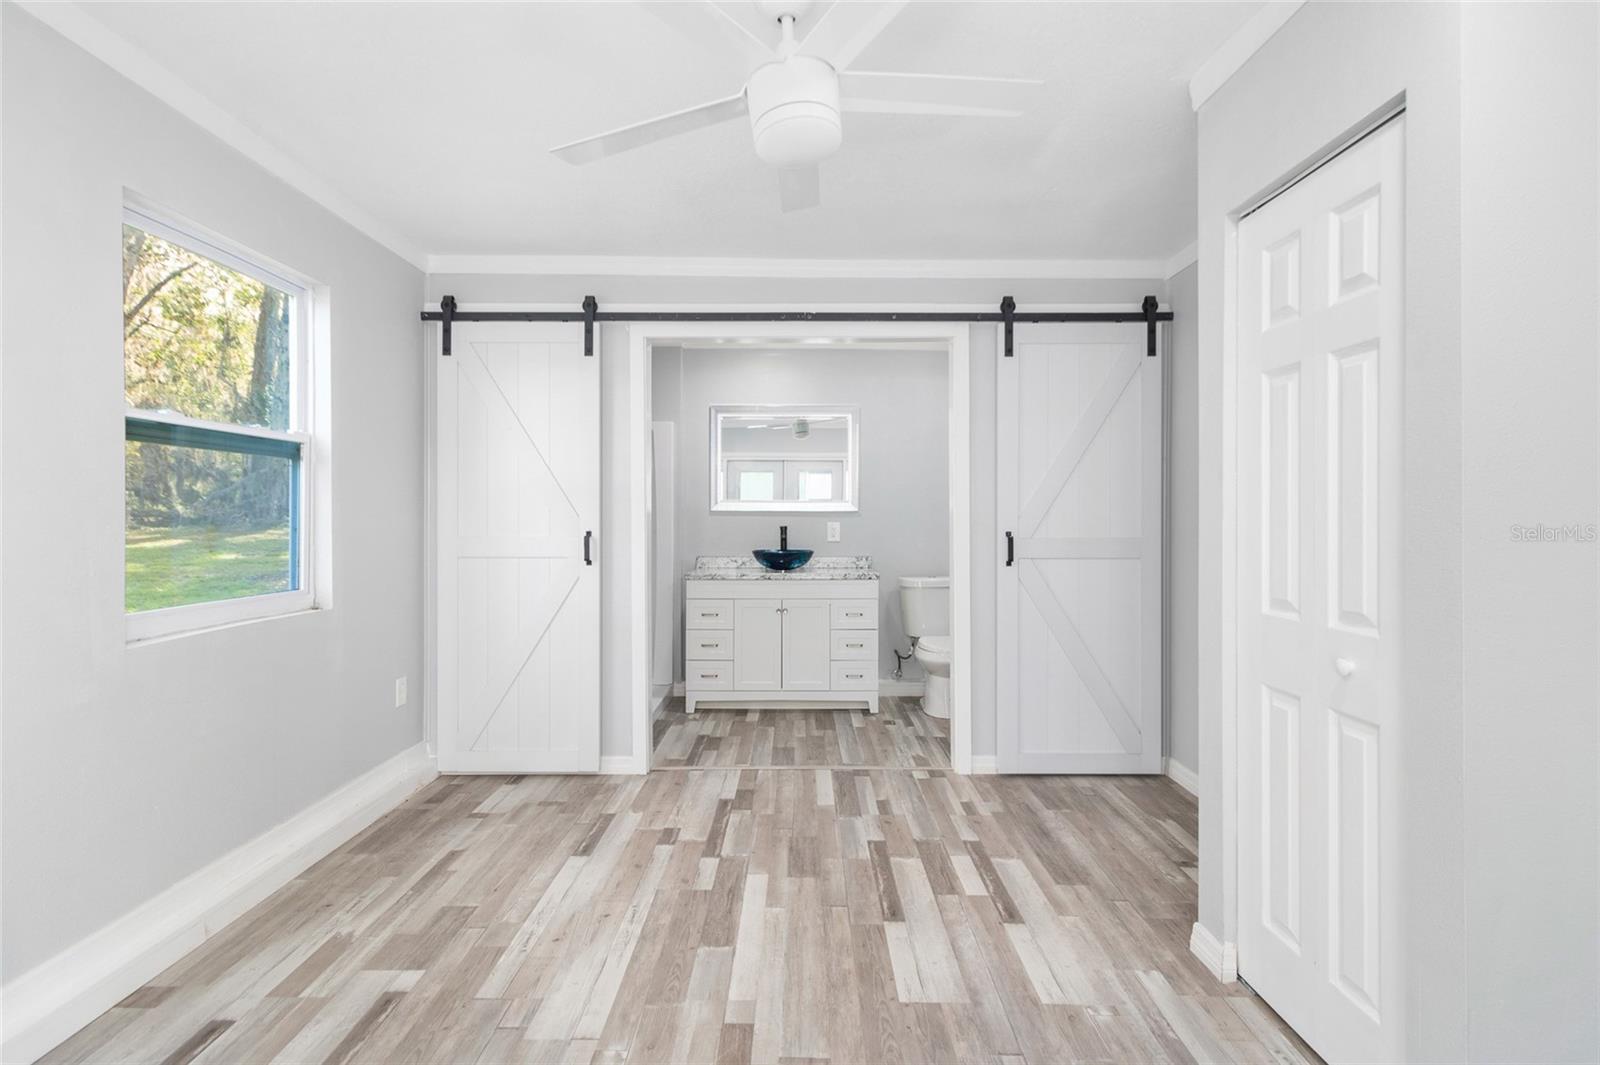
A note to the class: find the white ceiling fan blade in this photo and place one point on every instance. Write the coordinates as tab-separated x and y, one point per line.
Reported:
935	94
799	187
844	30
651	130
705	23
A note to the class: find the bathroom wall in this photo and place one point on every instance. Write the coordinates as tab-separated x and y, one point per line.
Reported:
903	522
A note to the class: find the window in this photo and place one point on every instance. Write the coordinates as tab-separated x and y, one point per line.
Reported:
217	448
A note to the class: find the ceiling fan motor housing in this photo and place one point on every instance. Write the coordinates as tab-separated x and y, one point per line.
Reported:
794	111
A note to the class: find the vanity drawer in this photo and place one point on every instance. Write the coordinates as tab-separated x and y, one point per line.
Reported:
708	676
852	644
855	676
708	643
708	614
854	614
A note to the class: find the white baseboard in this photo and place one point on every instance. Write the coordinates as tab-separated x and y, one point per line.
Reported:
1222	959
678	689
620	765
983	765
53	1000
1182	775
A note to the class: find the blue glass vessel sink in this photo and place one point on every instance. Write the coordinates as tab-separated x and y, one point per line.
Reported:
782	560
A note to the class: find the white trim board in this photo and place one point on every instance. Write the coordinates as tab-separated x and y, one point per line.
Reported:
1181	262
1236	51
138	66
822	269
1181	775
1220	959
56	998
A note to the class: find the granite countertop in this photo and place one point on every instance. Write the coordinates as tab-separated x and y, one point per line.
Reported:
737	568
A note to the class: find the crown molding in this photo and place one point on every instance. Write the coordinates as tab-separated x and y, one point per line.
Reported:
1237	49
795	269
1181	261
139	67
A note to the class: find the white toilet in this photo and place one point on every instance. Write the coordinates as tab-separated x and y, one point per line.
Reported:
925	609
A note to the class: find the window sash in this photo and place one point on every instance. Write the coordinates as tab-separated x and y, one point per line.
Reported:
295	444
179	431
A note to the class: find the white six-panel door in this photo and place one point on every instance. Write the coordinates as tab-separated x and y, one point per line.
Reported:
1079	493
1319	331
518	426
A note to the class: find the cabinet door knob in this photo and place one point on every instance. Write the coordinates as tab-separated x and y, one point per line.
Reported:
1343	666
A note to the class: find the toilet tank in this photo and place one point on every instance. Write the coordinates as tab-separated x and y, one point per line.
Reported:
925	605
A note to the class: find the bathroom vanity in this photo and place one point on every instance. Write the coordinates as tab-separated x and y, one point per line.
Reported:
759	637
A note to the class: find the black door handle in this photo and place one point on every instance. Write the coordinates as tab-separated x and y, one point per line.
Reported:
588	536
1011	548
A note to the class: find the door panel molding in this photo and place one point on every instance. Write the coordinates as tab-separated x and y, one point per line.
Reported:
1316	597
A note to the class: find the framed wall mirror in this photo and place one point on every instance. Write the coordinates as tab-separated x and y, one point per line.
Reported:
801	458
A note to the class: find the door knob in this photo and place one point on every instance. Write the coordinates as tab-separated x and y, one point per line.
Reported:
1343	666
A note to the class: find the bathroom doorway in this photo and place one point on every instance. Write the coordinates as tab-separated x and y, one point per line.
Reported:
912	356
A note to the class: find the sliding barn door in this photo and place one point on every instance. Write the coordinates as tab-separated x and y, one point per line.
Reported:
1320	331
1079	497
519	582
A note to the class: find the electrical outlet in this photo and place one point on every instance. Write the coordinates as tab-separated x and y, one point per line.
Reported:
399	691
833	532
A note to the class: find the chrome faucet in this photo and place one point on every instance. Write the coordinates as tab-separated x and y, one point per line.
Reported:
783	538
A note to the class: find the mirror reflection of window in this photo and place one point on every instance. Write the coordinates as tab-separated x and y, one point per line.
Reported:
756	484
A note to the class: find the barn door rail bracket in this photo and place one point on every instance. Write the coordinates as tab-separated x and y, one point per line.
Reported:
589	313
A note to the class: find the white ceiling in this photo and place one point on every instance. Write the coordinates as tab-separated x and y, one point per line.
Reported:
437	119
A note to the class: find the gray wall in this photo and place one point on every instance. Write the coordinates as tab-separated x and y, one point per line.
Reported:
1498	825
1183	520
1529	239
127	768
616	737
904	520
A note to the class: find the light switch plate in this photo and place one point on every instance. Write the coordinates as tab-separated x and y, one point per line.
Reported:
399	691
833	532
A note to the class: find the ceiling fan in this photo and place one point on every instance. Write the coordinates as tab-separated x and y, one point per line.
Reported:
799	84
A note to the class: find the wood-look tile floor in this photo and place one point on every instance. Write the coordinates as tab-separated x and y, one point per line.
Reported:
870	910
899	736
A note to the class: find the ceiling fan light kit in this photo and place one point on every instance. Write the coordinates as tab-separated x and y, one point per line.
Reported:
793	94
794	112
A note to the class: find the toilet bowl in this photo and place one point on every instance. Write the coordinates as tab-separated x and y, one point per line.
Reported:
934	653
925	610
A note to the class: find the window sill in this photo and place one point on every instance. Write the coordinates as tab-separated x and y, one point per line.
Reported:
172	623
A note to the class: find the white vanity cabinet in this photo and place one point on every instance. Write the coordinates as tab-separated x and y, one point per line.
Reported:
760	640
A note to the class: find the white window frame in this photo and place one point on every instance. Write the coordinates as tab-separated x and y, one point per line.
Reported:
194	617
